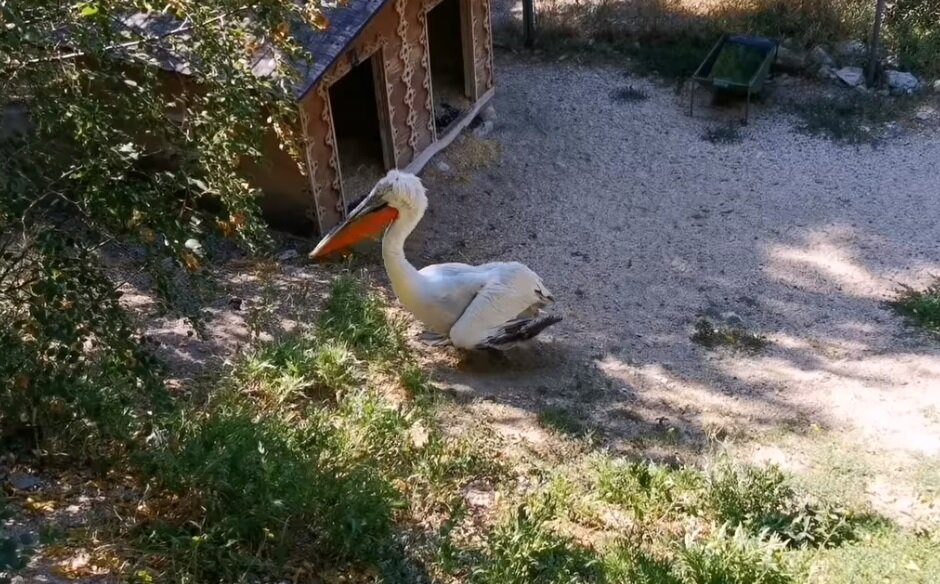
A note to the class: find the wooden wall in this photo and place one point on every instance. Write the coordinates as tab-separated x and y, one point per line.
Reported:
397	36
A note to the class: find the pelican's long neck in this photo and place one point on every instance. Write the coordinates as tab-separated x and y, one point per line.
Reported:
404	277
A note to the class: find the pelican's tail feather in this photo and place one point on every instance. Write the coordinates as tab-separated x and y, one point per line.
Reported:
518	331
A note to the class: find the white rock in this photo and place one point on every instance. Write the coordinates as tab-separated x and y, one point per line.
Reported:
287	255
936	86
442	166
488	114
851	76
901	81
925	112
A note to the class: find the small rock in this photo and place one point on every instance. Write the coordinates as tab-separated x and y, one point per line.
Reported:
483	129
732	319
287	255
488	114
819	57
851	76
825	72
903	82
790	59
936	86
925	112
850	53
442	166
24	482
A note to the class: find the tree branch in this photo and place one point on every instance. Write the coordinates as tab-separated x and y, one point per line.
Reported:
184	26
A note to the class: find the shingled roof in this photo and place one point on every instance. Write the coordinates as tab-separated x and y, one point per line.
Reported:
346	21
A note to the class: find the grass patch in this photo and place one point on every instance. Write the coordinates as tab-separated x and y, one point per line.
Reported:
268	477
522	549
302	464
921	306
850	117
563	420
885	556
356	317
712	336
726	134
732	557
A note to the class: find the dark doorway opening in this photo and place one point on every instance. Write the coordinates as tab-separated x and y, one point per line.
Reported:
357	124
449	83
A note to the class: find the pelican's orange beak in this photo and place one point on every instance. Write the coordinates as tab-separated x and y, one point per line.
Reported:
368	220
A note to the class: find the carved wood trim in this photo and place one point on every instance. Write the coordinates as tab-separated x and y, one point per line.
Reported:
312	177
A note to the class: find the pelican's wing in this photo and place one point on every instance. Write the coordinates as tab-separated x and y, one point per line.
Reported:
492	319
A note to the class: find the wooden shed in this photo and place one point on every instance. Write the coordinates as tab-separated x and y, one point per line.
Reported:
389	84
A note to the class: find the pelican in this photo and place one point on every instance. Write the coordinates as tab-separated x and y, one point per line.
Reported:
492	306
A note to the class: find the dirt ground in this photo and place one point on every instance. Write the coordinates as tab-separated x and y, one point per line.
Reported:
640	227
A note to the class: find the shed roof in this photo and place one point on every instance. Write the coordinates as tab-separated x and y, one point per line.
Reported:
346	21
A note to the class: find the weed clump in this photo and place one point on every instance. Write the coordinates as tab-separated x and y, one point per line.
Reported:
851	117
726	134
921	306
712	336
629	94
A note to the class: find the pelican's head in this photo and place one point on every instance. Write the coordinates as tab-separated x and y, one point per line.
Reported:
397	194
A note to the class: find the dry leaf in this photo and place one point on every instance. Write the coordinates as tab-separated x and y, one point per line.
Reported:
190	261
39	506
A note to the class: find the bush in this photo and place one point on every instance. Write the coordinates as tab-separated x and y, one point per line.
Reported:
103	159
913	28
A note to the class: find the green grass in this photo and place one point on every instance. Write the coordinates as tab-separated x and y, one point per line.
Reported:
563	420
885	556
522	549
296	457
921	306
302	463
357	317
712	336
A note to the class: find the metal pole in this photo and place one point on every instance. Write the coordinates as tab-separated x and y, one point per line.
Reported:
528	21
875	38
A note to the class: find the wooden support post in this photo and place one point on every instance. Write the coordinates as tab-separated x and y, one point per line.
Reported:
528	22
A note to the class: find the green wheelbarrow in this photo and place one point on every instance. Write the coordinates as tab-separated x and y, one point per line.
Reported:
737	64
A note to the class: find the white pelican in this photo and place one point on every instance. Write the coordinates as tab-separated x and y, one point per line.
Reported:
490	306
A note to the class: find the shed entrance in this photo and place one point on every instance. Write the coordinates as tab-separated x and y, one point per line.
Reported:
359	114
451	53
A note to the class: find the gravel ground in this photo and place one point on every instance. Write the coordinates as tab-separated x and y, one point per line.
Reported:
640	227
